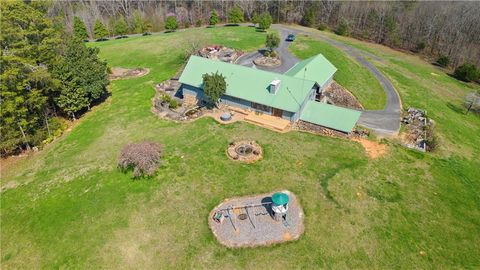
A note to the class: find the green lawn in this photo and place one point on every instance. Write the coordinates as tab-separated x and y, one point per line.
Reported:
74	209
351	75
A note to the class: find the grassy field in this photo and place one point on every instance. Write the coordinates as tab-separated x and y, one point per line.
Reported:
72	208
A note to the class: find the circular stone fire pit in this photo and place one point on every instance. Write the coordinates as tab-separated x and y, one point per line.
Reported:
245	151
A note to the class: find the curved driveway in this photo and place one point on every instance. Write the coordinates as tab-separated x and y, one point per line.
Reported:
384	122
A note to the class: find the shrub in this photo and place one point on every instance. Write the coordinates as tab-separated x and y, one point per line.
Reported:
443	61
342	28
143	158
171	23
266	53
420	46
273	54
173	104
198	23
467	72
322	27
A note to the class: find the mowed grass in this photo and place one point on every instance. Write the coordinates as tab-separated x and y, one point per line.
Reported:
350	74
74	209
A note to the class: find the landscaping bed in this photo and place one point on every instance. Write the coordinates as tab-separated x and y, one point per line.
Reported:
127	73
337	95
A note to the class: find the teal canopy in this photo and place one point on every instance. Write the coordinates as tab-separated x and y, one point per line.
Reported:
280	198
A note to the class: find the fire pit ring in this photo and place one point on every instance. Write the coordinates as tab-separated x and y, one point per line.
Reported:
242	216
245	151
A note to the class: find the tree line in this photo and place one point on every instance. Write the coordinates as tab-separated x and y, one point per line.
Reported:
446	29
46	75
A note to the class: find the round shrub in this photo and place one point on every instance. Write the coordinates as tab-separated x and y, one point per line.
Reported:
322	27
143	158
443	61
467	72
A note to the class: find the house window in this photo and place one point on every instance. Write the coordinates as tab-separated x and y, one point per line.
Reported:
260	107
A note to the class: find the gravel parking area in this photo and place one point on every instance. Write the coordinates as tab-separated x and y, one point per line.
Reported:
251	226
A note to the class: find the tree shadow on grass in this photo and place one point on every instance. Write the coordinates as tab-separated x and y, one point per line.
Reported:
455	108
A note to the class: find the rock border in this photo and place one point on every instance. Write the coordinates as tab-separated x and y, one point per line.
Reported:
258	61
257	153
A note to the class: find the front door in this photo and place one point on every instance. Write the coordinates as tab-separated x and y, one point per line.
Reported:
277	112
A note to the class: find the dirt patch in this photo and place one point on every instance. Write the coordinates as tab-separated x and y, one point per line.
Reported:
337	95
126	73
372	148
9	185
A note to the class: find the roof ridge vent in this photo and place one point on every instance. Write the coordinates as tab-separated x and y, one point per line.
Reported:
274	86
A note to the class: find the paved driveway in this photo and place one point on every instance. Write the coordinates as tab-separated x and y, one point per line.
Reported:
384	122
288	60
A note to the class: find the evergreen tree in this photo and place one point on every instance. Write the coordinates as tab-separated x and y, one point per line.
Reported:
467	72
137	24
342	28
265	21
171	23
28	47
84	76
99	30
272	41
214	86
120	27
213	17
235	15
309	17
79	29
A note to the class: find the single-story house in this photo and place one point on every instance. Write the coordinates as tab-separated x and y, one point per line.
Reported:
291	96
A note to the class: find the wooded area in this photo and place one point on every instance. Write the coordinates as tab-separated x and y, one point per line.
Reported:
434	28
46	75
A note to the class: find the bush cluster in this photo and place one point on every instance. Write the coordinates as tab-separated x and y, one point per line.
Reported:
143	158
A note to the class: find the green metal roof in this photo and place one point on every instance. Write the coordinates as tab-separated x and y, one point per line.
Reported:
280	198
316	68
330	116
250	84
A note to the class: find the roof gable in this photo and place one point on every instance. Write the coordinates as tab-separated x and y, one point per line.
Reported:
316	68
249	83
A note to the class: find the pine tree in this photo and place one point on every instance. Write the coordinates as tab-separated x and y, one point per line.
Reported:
79	29
236	15
213	17
29	47
120	27
99	30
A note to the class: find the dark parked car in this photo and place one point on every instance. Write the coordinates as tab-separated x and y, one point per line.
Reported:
291	37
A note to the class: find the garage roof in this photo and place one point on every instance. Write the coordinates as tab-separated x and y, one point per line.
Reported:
330	116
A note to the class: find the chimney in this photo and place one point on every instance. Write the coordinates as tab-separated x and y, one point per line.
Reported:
274	86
